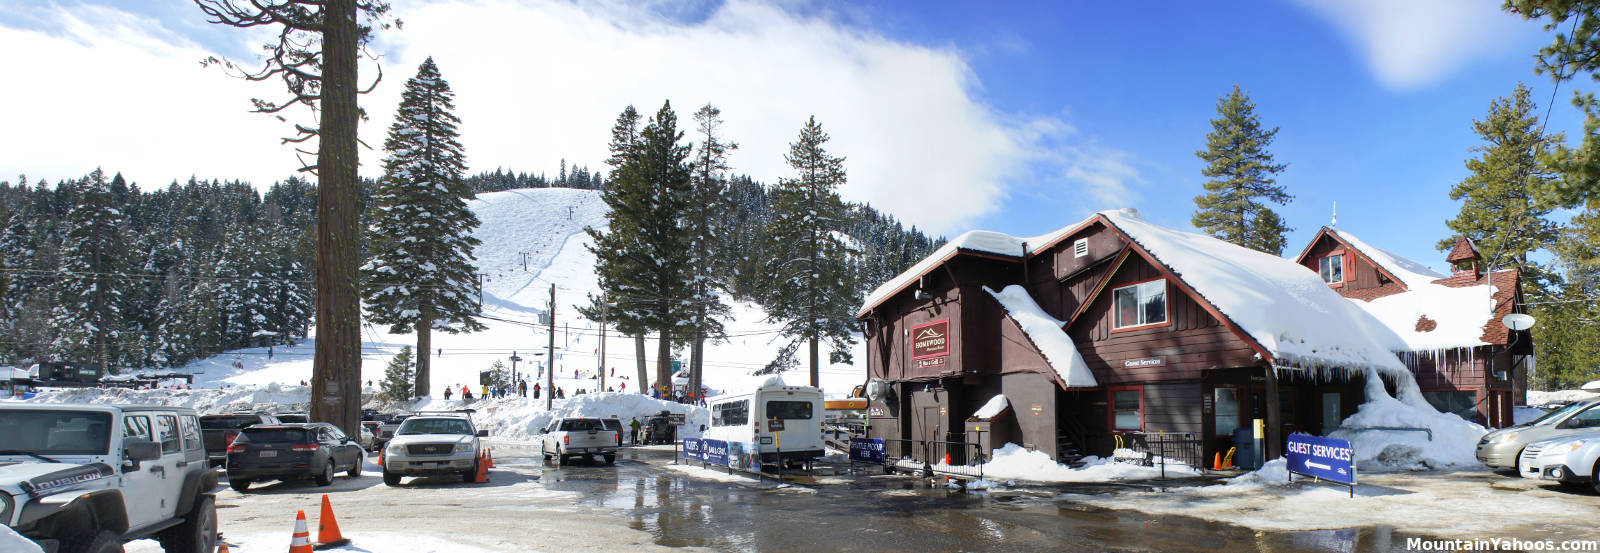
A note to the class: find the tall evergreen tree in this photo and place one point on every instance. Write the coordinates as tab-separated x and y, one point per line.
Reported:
420	277
642	260
807	272
1242	174
1498	210
399	376
88	317
708	196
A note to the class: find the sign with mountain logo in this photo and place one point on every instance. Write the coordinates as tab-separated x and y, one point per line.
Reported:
930	339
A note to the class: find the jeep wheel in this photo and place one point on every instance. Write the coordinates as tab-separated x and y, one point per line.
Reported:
197	534
239	484
326	478
390	479
103	542
355	470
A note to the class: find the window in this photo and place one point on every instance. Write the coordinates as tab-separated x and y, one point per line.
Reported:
582	425
1127	408
191	433
1461	403
1140	304
1080	248
136	427
733	413
170	441
800	410
54	432
1331	268
1226	403
1586	419
435	426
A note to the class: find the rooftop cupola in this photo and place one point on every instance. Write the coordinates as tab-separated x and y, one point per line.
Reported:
1464	258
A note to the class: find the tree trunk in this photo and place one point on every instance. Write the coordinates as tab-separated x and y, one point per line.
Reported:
812	344
664	362
424	349
696	361
336	366
638	354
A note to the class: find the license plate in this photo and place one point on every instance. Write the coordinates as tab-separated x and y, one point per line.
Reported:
269	453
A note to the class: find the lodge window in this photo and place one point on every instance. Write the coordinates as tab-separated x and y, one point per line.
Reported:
1127	408
1226	405
1331	268
1141	304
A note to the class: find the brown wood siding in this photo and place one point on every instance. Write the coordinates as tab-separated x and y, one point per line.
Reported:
1362	280
1193	340
1174	407
1102	242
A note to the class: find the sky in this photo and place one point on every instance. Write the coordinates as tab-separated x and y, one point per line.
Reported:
1019	117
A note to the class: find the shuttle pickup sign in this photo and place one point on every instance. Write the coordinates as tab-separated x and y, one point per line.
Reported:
1318	457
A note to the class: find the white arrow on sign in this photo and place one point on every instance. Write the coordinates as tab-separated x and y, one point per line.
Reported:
1310	464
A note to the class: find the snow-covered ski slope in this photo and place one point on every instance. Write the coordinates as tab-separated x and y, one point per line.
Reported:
532	238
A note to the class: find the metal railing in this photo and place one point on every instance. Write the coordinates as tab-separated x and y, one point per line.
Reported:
1160	450
930	457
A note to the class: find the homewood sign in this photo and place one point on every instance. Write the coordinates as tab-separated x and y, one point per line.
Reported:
930	343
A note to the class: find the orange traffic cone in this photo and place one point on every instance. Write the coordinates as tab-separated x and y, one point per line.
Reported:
488	455
222	548
1216	462
947	459
301	542
328	528
483	469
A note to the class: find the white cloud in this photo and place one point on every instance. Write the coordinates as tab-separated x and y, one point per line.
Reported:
540	81
1414	43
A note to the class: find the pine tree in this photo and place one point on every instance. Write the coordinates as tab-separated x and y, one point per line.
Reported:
87	316
420	277
1242	179
642	260
708	196
807	272
399	377
1498	210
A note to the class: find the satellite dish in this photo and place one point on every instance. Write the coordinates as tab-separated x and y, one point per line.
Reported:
1518	321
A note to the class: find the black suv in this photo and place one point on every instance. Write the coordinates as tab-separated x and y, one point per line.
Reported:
220	430
292	451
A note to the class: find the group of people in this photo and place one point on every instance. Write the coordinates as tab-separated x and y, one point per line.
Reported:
681	396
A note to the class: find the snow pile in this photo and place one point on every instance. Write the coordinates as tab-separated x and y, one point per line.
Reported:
1563	396
271	397
1012	462
993	408
525	418
11	542
1453	442
1411	273
1459	315
1047	336
1272	473
1287	309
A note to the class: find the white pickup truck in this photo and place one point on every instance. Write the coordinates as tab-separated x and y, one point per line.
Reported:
579	437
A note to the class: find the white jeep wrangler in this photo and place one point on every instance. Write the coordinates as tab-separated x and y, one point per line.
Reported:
87	478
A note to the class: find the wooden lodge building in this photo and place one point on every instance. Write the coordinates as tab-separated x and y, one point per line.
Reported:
1115	326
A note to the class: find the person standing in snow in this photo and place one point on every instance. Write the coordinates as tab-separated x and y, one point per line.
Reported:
485	390
633	425
447	393
536	390
522	388
623	386
466	393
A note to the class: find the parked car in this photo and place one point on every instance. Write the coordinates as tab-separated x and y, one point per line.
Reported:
1572	460
578	437
1504	447
431	445
369	430
292	451
292	417
87	478
220	431
615	425
387	424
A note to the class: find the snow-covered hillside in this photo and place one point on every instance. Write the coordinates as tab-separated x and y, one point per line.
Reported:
531	238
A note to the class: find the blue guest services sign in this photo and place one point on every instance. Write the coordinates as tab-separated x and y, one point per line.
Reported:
1326	458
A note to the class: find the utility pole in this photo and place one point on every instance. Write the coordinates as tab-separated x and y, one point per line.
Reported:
550	375
603	307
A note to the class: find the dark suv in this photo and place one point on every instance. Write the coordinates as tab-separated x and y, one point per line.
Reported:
220	430
292	451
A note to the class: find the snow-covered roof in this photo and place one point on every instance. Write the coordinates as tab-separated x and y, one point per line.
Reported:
982	241
1048	336
1410	273
1285	308
993	408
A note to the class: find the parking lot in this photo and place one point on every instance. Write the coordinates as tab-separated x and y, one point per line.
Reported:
642	504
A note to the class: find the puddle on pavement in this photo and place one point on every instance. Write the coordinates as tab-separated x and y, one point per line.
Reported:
901	514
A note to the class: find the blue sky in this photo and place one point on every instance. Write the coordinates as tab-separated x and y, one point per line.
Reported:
1019	117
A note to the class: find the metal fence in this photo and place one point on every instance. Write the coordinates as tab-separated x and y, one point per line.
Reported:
1161	450
930	457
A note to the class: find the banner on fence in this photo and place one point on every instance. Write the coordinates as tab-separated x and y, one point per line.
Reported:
714	452
691	449
1326	458
867	450
744	456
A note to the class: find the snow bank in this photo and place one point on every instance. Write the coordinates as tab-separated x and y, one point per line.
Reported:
993	408
11	542
1453	442
1283	306
1411	273
1047	335
1012	462
1271	473
271	397
1459	315
1563	396
524	418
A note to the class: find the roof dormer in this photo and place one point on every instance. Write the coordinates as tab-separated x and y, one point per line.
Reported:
1464	258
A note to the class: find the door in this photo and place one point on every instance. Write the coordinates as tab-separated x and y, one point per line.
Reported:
173	464
800	419
141	489
1331	417
341	447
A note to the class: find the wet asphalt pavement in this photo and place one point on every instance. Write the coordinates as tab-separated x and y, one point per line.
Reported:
898	513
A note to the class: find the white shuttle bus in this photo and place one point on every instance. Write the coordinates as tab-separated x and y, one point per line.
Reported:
782	420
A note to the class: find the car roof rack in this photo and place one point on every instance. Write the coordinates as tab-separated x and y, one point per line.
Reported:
446	412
